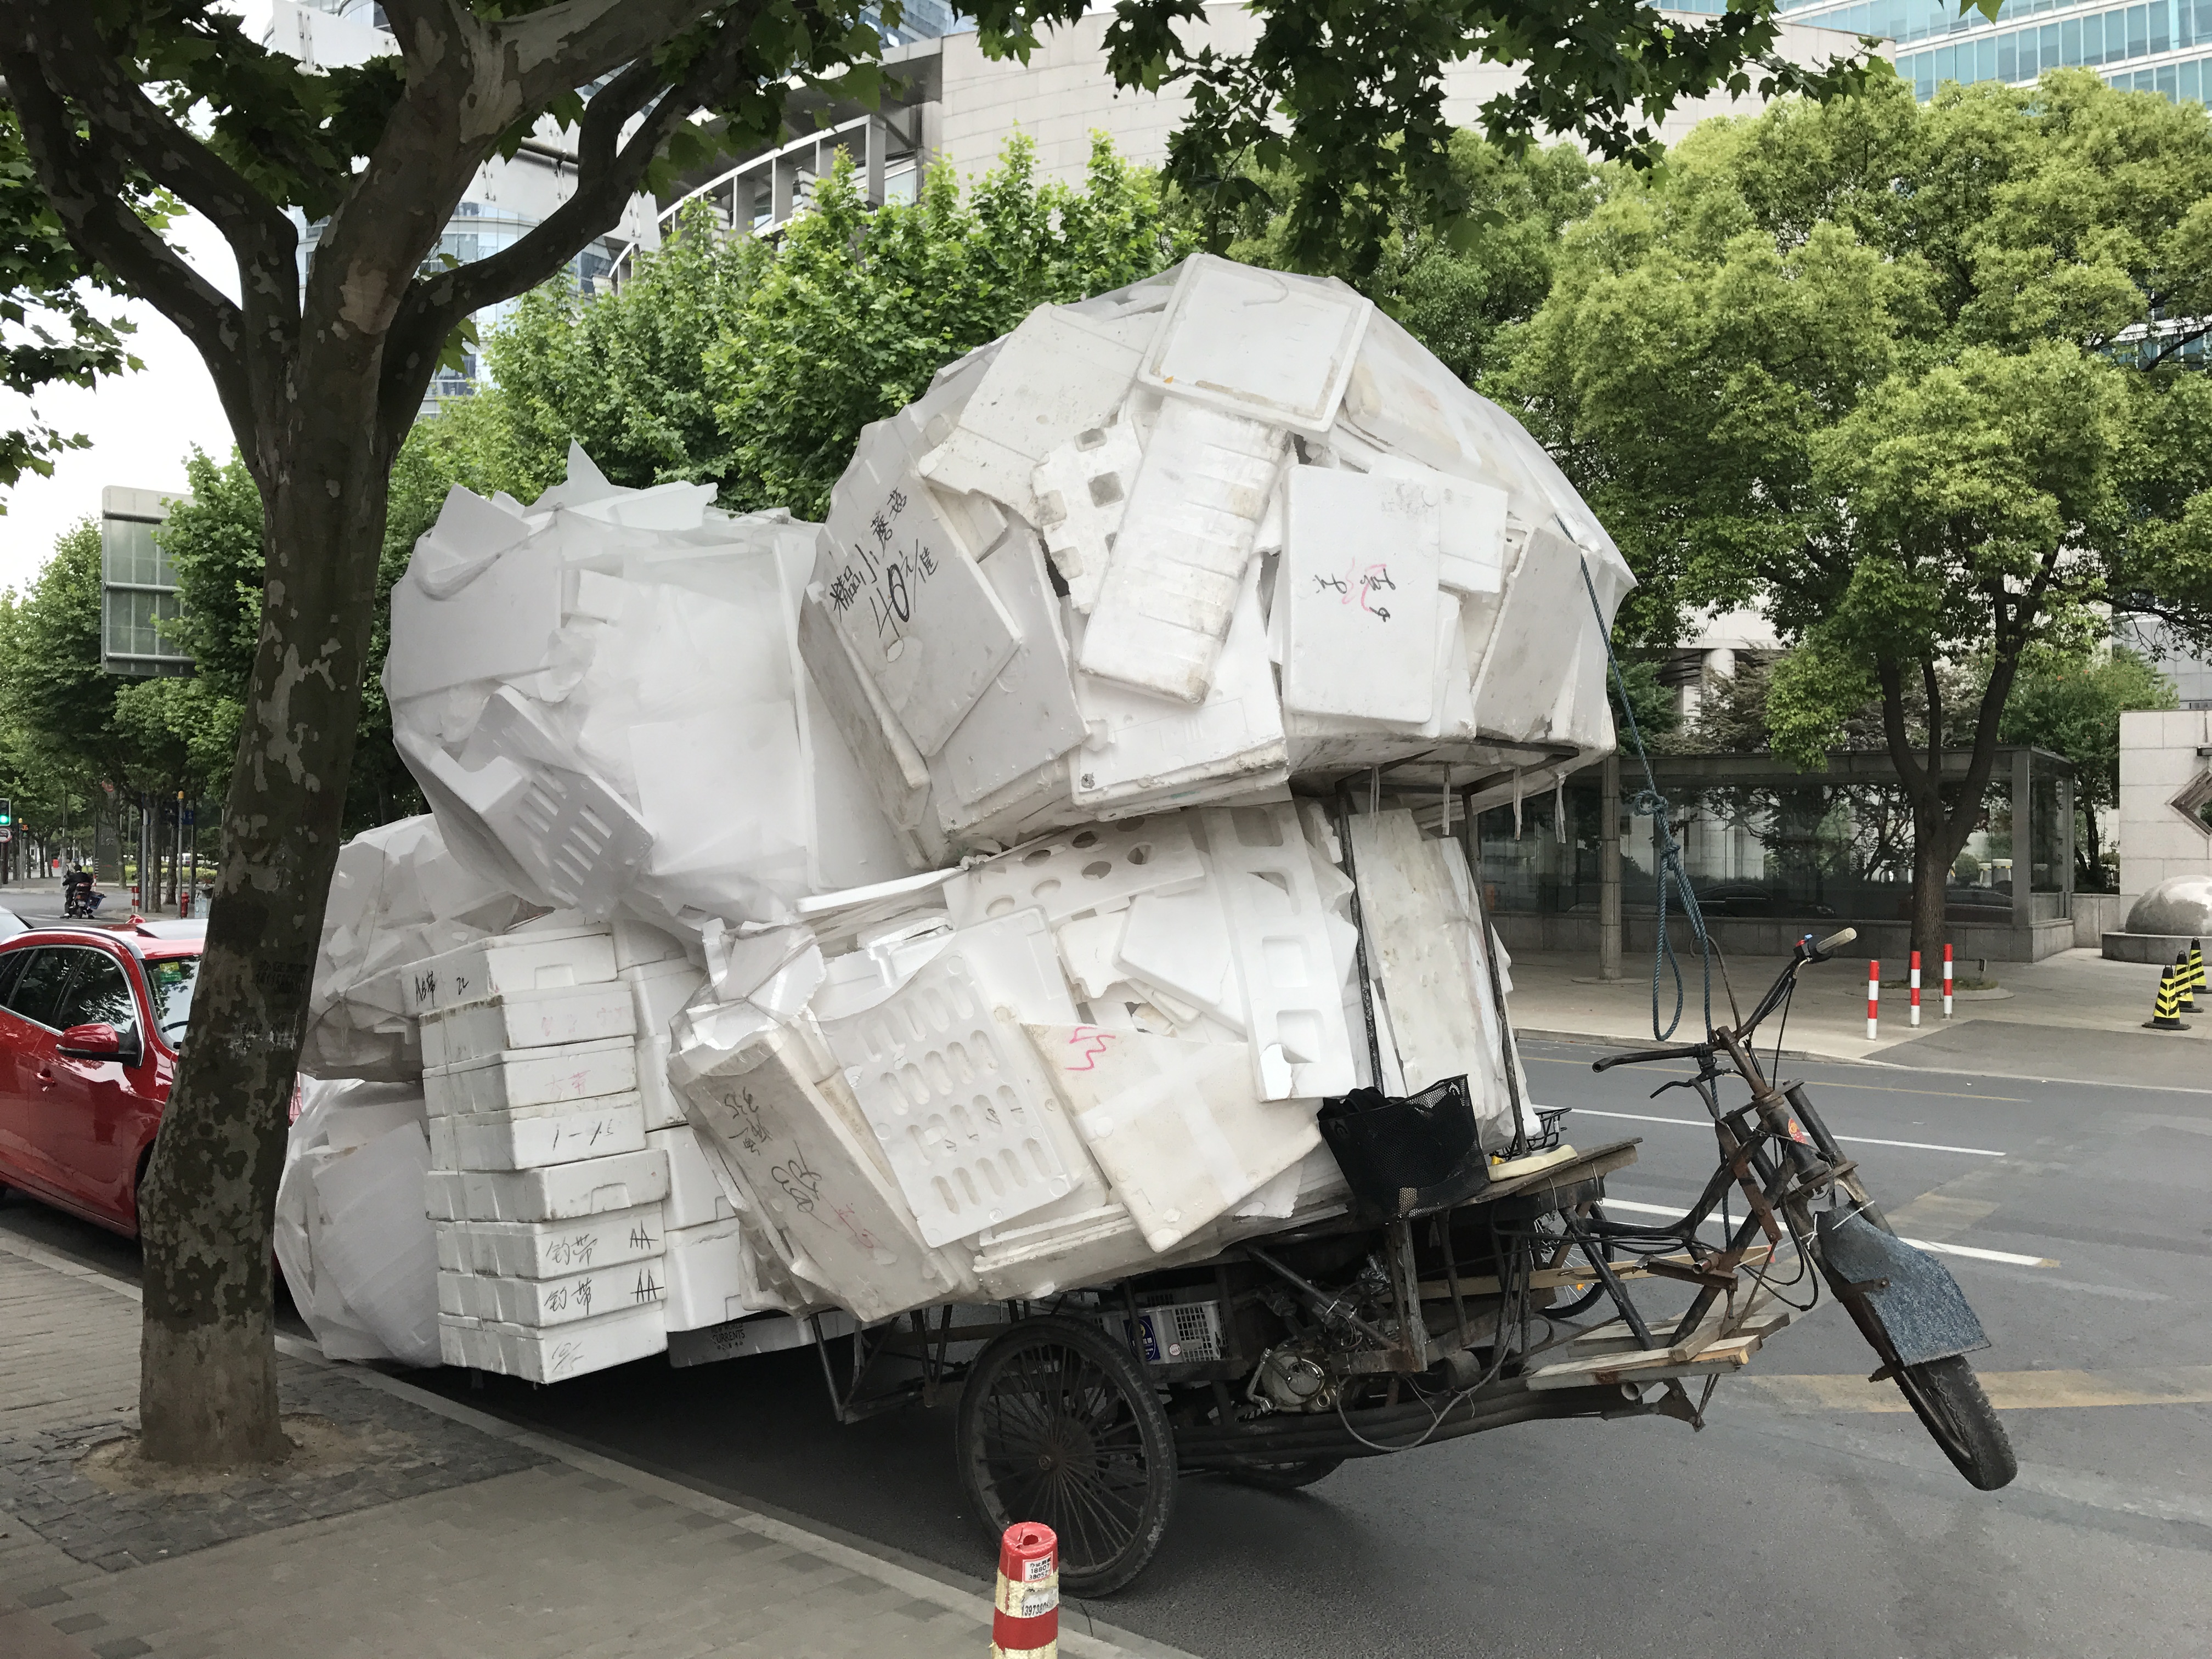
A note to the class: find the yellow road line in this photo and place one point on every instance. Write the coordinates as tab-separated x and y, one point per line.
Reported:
2009	1391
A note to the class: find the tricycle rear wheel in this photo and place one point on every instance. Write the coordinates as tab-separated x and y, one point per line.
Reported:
1057	1424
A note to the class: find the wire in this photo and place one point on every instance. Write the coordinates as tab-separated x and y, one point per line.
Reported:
1648	802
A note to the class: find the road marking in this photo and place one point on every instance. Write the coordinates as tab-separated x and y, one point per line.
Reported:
2006	1256
1864	1140
2009	1391
1830	1083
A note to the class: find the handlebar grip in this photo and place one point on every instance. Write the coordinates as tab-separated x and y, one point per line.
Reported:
1640	1056
1835	941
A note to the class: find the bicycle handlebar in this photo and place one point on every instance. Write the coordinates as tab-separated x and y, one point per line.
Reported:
1807	952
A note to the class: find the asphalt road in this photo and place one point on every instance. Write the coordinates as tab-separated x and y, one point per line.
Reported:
1798	1522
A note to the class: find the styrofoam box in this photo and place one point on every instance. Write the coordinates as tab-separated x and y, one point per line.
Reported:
516	1077
638	944
565	1132
453	1238
444	1198
534	1019
557	1249
543	1302
709	1275
565	1192
695	1197
505	965
553	1355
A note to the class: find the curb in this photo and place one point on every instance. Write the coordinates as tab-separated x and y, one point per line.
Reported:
927	1582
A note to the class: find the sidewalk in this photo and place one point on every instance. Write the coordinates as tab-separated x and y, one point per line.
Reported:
447	1533
1557	996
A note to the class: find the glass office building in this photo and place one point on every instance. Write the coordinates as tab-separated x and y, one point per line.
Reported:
2163	45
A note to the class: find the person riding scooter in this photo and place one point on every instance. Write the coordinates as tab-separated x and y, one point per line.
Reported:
78	898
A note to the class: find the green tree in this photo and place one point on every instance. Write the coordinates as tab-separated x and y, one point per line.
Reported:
859	308
1861	363
2071	705
321	373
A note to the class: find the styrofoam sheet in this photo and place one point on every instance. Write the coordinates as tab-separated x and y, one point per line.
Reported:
507	965
558	1354
661	991
696	1197
1180	942
534	1019
910	602
510	1079
1096	867
1178	563
1265	344
559	1250
1041	1260
1082	491
1057	375
1359	591
500	625
641	945
563	1192
1029	717
1418	940
562	1132
1088	949
820	1190
1174	1124
1141	744
1294	1015
957	1104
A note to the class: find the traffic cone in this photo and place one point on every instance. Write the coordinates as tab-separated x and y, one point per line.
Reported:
1026	1610
2195	965
2165	1014
2185	985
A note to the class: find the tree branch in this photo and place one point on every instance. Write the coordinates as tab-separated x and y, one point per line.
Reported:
63	36
1892	726
86	191
573	44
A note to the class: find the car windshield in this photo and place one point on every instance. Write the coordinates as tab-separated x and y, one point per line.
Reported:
171	979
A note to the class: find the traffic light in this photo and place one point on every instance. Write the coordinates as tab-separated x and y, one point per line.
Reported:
7	814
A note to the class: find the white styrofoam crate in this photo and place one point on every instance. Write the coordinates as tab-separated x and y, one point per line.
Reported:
453	1257
516	1077
565	1132
526	1020
1267	344
564	1192
638	944
557	1249
545	1302
553	1355
694	1196
708	1272
444	1196
957	1104
506	964
1359	591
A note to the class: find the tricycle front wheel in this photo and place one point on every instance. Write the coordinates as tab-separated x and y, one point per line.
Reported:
1948	1400
1059	1424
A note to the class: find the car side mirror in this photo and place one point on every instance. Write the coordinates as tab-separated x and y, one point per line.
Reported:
98	1041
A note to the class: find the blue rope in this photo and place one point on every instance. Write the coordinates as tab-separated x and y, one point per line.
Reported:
1648	802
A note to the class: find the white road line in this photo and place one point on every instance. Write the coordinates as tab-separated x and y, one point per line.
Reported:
1928	1244
1864	1140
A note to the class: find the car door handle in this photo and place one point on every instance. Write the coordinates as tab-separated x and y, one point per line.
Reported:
46	1078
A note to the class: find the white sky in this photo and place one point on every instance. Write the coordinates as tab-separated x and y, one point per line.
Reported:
141	425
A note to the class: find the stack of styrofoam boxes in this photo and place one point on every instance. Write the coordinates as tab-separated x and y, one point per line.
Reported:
707	1269
546	1196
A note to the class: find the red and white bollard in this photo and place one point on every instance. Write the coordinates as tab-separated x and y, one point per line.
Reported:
1874	996
1025	1611
1916	987
1947	981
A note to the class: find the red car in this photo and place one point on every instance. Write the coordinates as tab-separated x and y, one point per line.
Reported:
90	1022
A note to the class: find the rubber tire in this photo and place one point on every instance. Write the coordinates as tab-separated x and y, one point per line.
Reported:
1286	1477
1142	1411
1948	1400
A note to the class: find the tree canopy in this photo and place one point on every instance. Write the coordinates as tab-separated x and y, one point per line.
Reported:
1876	368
